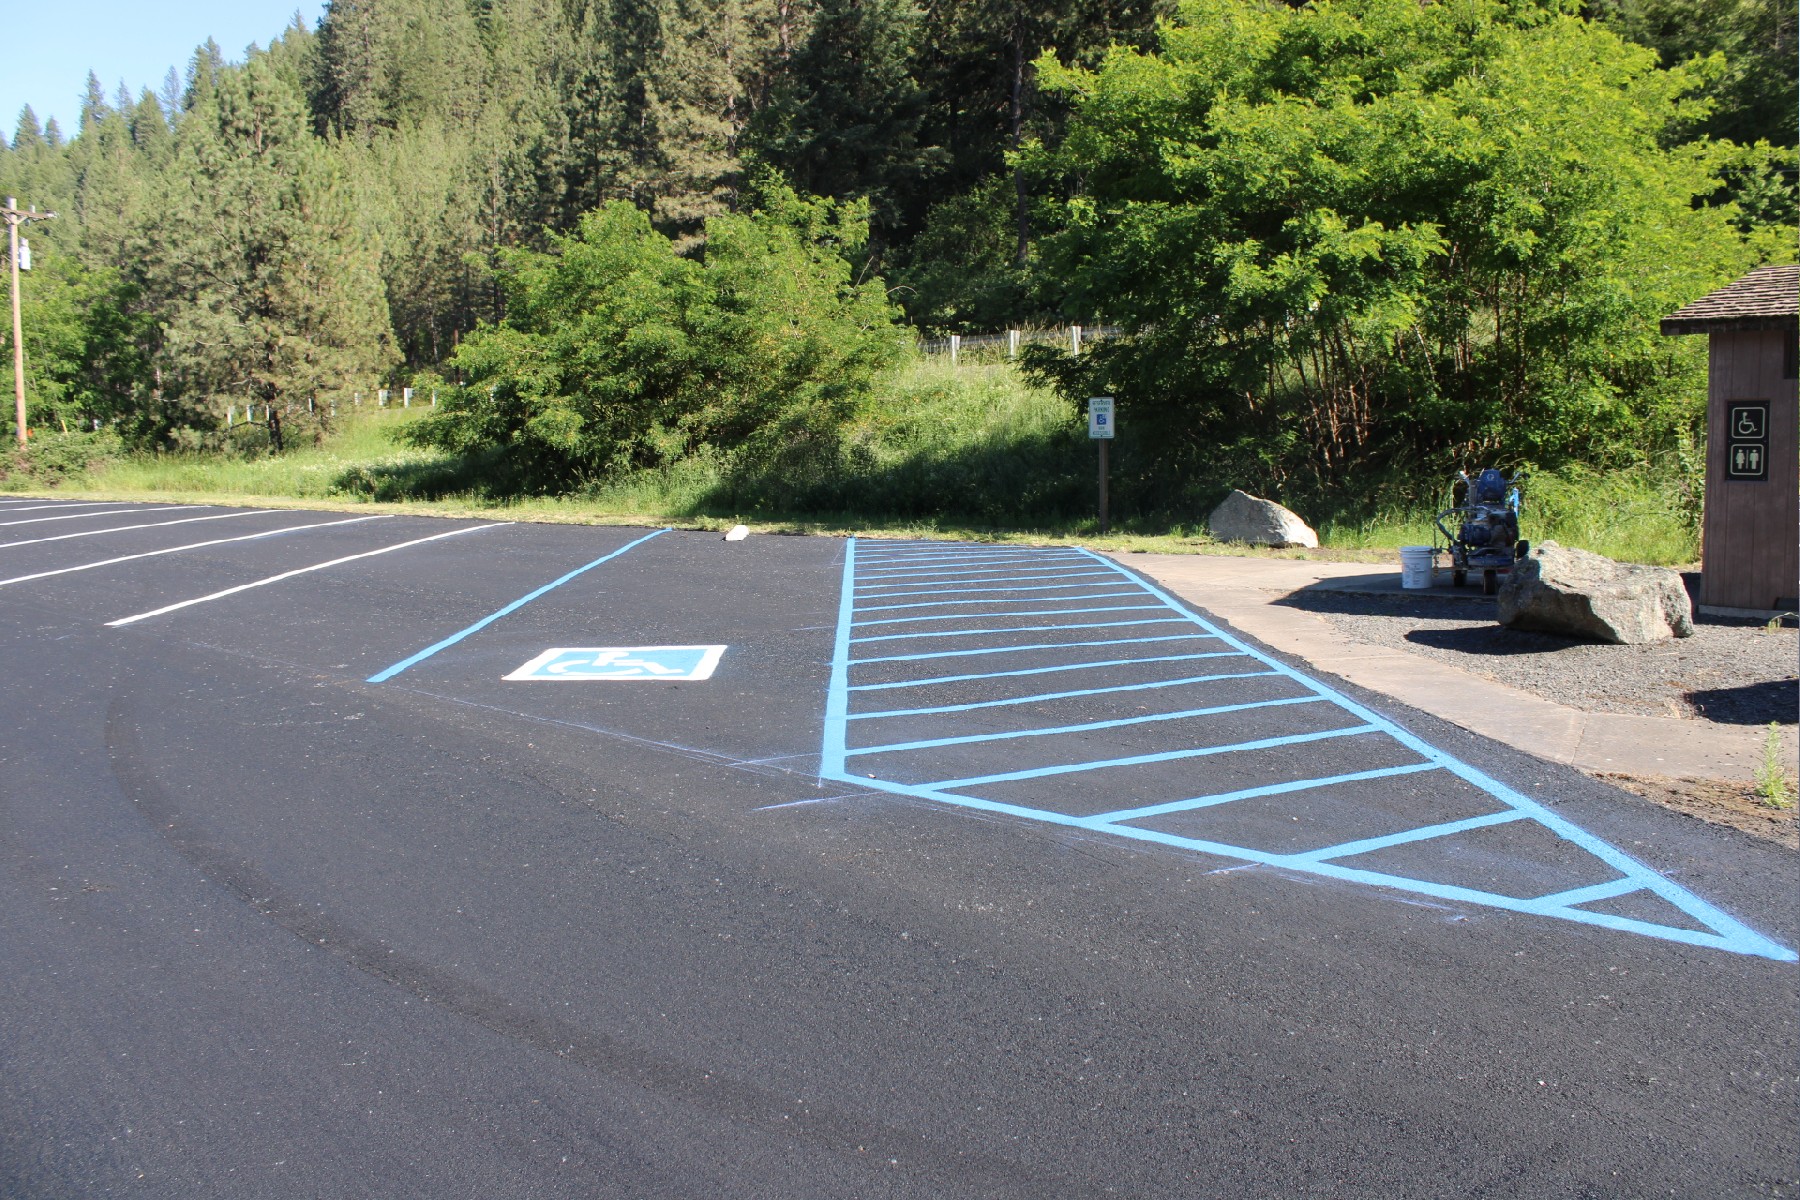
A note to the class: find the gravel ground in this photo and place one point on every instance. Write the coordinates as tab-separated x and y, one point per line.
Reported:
1734	674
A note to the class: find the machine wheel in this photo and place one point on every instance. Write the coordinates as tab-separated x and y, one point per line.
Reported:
1490	582
1520	551
1459	577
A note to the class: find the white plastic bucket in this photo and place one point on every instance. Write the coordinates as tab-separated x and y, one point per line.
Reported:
1418	566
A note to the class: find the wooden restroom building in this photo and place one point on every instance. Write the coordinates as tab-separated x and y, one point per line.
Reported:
1750	534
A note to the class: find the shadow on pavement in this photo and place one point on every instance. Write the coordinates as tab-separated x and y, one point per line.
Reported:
1751	704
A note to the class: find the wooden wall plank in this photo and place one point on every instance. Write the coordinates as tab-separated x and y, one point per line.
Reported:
1751	531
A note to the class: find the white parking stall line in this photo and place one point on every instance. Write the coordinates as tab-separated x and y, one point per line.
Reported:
63	537
111	512
64	504
244	587
107	562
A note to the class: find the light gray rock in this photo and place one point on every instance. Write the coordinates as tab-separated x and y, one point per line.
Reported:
1558	589
1242	517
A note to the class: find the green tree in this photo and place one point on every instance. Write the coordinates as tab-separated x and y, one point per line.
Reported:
394	64
620	353
846	122
1754	94
1378	232
263	277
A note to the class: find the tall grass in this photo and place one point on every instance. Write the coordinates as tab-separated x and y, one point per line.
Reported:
936	449
1634	514
370	439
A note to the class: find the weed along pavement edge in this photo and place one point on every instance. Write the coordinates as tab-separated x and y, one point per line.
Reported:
423	857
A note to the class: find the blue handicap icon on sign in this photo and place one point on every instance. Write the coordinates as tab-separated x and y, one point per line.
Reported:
581	663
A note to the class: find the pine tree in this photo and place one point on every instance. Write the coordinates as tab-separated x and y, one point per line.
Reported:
169	96
265	278
847	122
394	64
150	130
28	135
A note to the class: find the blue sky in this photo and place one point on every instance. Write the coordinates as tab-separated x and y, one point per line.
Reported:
49	48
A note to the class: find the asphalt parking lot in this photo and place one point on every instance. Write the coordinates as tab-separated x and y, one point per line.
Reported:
354	855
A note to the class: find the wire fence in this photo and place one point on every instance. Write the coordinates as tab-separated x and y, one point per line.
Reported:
989	347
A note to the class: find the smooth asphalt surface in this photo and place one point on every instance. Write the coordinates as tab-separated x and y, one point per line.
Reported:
968	872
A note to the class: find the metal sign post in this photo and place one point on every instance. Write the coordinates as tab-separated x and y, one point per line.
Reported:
1100	430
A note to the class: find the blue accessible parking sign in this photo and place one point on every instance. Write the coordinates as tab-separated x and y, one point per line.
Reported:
582	663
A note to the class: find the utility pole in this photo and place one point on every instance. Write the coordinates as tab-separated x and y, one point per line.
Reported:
15	218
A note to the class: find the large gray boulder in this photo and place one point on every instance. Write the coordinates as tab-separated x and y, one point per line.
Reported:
1242	517
1558	589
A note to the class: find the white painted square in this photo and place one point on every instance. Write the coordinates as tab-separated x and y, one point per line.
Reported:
588	663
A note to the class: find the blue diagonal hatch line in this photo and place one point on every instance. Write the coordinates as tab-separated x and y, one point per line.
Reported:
954	571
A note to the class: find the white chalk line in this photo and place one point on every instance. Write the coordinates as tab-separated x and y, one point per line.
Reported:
107	562
63	537
244	587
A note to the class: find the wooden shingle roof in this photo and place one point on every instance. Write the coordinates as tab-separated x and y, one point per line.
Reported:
1766	298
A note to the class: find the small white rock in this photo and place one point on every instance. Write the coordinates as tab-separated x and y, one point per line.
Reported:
738	533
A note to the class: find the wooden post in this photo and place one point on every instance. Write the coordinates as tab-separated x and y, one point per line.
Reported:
14	218
1104	443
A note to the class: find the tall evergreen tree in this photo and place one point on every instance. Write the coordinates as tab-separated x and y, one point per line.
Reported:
846	122
28	135
267	281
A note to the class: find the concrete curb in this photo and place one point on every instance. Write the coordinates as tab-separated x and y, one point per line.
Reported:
1243	591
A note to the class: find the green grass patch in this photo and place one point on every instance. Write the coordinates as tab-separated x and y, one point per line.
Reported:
1633	514
937	451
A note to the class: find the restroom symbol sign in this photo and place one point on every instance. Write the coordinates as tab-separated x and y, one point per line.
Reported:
577	664
1747	442
1747	460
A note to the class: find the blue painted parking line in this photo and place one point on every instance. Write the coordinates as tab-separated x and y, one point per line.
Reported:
1162	756
1276	789
1079	666
968	739
947	603
1028	612
1421	834
972	651
966	575
1622	886
414	660
1043	697
895	563
1047	587
941	633
960	577
986	562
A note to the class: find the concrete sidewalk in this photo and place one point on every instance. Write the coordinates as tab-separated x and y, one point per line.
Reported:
1244	591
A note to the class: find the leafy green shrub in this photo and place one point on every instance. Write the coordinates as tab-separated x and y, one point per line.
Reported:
1380	232
619	354
51	458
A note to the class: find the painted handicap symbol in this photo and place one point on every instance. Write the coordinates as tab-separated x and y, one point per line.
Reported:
610	663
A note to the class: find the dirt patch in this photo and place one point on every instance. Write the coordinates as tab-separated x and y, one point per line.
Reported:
1721	803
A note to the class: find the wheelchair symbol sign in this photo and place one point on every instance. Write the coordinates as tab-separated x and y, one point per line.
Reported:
1746	420
588	663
